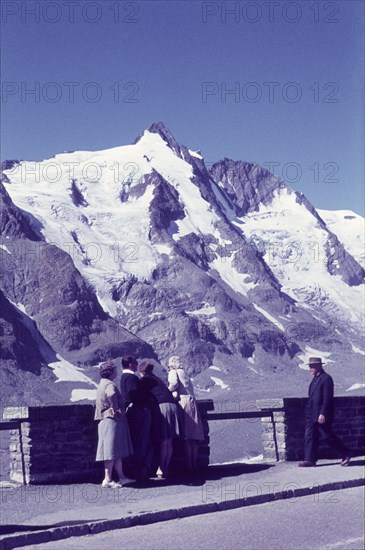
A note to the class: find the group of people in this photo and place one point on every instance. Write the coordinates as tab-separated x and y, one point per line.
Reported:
139	422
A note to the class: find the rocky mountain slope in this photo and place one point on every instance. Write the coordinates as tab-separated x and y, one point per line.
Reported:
51	322
349	228
228	267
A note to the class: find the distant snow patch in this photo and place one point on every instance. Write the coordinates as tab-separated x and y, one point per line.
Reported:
163	249
205	310
230	275
21	308
356	387
195	154
78	395
357	350
4	247
27	318
219	382
252	361
215	368
66	372
253	370
269	317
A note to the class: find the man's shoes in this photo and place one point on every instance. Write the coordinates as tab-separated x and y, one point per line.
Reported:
306	464
345	461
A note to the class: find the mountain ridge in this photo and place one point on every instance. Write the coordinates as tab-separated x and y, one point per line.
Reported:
227	267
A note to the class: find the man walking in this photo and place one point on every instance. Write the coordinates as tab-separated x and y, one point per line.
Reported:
319	416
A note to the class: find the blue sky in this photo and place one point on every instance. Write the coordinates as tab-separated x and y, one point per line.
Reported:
104	71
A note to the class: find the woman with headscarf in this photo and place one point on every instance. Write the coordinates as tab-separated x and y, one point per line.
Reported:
167	417
114	441
181	386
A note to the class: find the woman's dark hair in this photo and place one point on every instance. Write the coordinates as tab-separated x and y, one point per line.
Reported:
146	367
106	369
128	361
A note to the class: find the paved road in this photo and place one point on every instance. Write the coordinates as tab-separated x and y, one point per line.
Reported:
325	521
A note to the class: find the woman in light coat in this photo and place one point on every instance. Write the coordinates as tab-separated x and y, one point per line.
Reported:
114	442
182	387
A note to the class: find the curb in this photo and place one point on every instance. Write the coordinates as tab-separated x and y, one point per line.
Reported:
8	542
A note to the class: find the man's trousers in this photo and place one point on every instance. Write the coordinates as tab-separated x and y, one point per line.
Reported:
314	431
139	422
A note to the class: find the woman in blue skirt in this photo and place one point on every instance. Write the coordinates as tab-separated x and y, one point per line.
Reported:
114	442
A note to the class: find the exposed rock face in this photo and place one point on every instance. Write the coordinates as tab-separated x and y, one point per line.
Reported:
25	376
165	207
17	342
247	185
228	268
54	294
349	228
76	195
340	262
12	222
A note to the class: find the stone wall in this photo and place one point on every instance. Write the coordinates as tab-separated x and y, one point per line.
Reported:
283	433
58	444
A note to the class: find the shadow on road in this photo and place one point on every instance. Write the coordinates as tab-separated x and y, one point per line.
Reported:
227	470
354	462
212	473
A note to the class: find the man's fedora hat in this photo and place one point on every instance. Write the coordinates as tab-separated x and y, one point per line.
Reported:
315	362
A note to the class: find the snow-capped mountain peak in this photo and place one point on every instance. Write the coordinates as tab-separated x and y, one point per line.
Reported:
226	267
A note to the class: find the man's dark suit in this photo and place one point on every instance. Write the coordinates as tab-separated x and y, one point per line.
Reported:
135	401
320	402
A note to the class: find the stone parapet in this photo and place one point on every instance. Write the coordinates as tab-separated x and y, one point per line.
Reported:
57	444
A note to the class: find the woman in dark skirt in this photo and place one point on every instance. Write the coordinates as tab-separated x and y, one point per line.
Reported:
114	441
168	425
